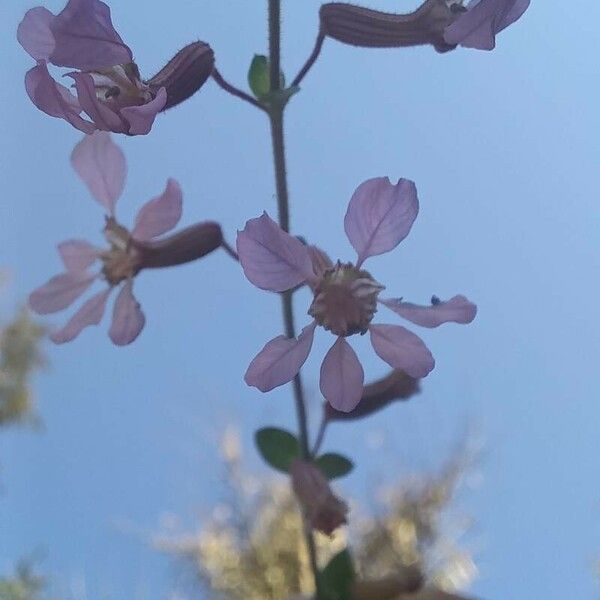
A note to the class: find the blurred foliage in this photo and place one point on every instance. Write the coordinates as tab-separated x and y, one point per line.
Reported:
25	584
252	547
19	357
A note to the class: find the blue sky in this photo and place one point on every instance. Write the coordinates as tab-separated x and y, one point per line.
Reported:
504	149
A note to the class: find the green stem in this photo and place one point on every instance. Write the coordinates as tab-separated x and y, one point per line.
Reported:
278	142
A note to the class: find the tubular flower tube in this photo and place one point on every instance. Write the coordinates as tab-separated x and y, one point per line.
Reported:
345	295
444	24
324	511
101	165
108	85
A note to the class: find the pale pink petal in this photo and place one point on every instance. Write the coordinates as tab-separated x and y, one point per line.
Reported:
280	360
128	319
141	118
86	39
34	33
342	376
380	215
60	291
104	117
77	255
54	99
160	214
457	310
478	26
272	259
90	313
402	349
101	165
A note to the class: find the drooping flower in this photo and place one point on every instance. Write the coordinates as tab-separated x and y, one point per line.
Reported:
108	84
444	24
324	511
100	163
345	295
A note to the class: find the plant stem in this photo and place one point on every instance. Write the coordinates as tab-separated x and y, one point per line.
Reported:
311	59
231	89
277	138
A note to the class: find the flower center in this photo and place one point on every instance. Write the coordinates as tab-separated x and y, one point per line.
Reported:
122	260
121	85
345	300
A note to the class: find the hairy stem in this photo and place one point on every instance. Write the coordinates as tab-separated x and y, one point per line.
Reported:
277	138
311	59
231	89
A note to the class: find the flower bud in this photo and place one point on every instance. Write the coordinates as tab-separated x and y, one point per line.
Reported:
185	73
377	395
364	27
324	511
186	245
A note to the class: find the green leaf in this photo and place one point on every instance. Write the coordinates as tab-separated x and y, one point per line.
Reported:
258	76
279	448
337	577
334	465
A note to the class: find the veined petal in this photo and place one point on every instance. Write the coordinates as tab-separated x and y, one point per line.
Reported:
101	165
280	360
60	291
128	319
160	214
34	33
77	255
90	313
141	118
402	349
101	114
320	260
380	215
457	310
85	37
271	258
478	26
342	377
54	99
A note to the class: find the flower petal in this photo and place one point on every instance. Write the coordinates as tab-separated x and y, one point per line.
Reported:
320	260
86	39
342	377
128	319
34	33
380	215
457	310
77	255
90	313
141	118
54	99
101	165
160	214
272	259
101	114
60	291
478	26
280	360
402	349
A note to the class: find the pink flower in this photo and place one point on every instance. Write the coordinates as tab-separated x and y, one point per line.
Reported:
109	87
101	165
346	296
324	511
481	20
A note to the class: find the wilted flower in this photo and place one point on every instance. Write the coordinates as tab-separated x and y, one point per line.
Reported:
109	86
324	511
101	165
441	23
346	296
